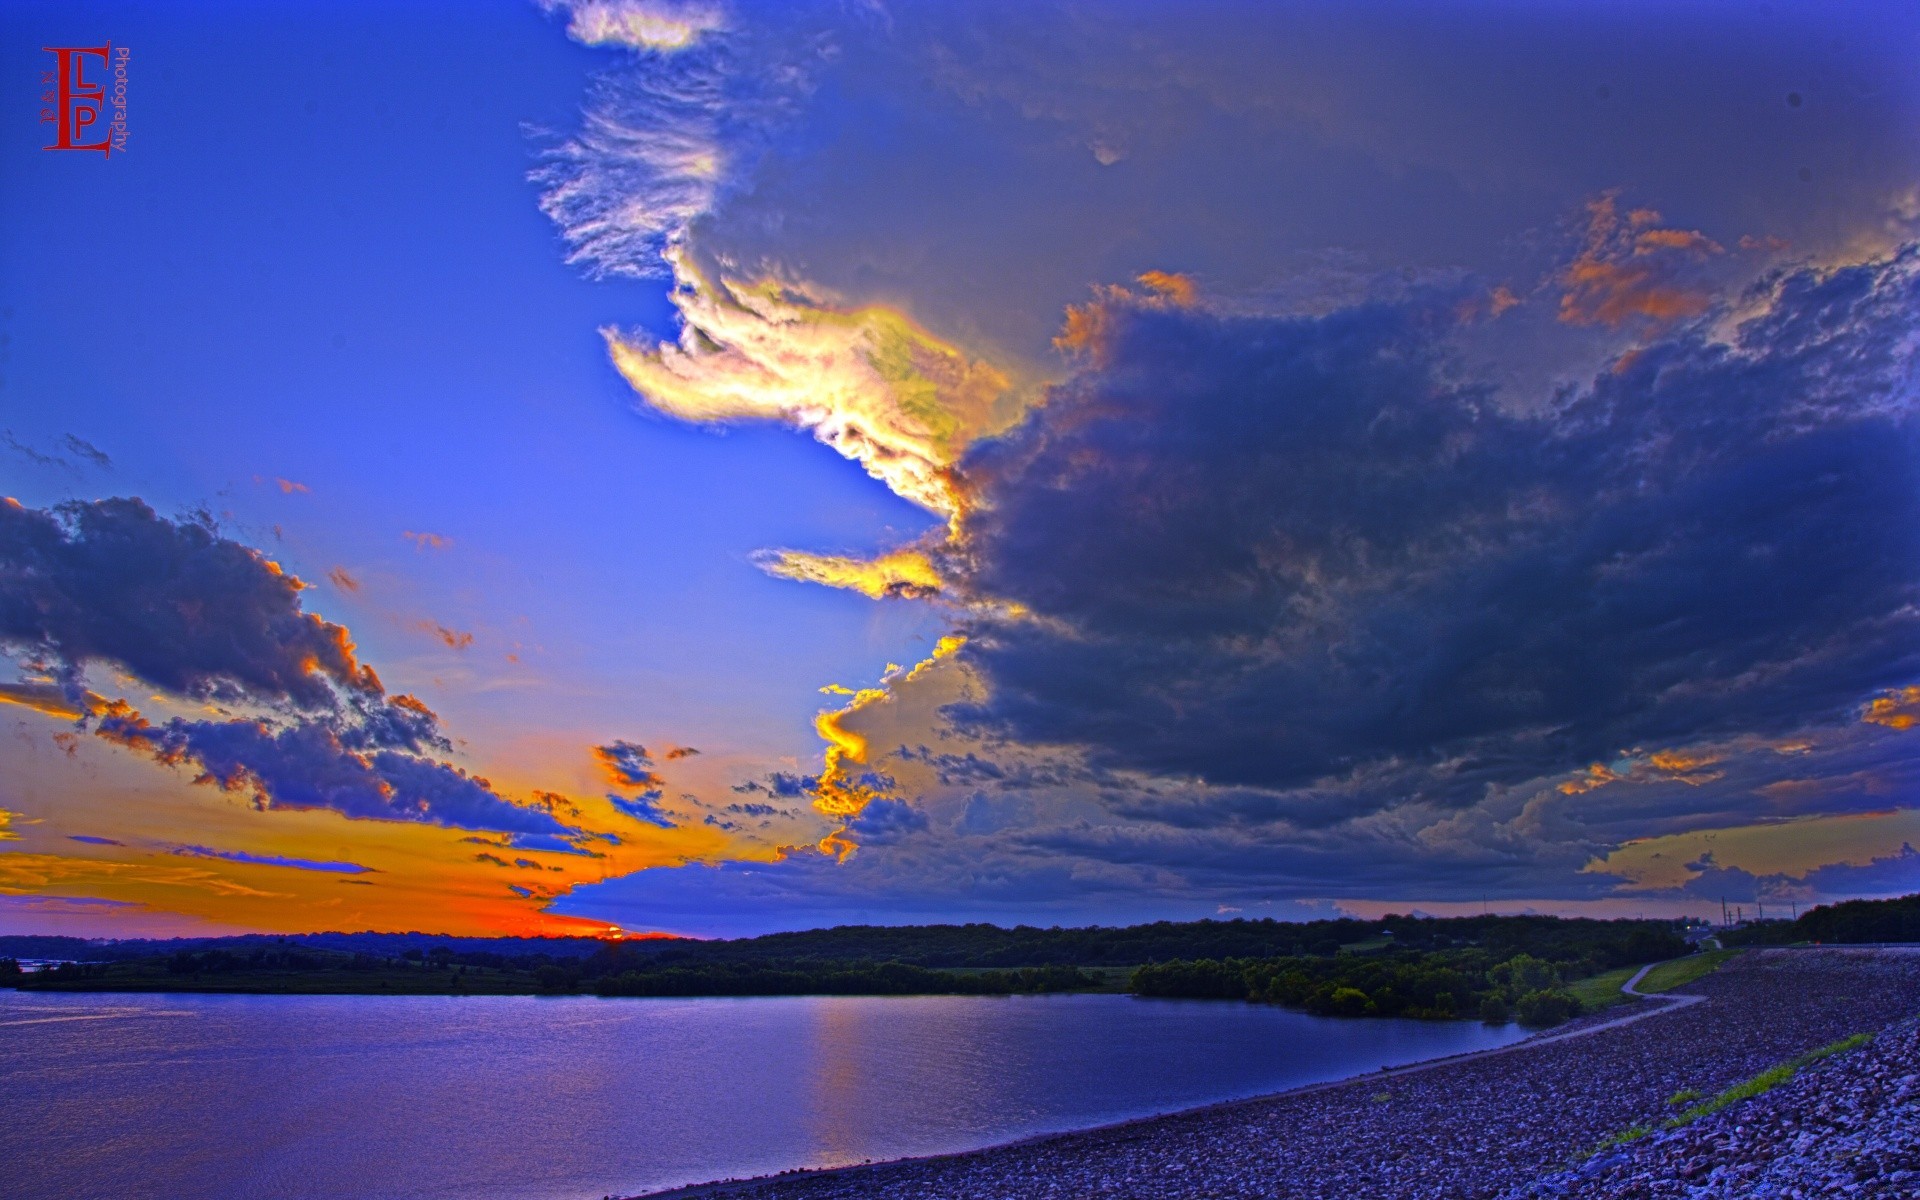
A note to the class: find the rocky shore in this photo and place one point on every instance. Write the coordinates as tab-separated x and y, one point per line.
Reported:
1848	1126
1501	1124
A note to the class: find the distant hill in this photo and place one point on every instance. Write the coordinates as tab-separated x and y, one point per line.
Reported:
972	946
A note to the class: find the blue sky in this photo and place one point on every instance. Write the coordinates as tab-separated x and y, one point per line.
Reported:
563	352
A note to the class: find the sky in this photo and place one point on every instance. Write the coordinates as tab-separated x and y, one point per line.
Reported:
585	466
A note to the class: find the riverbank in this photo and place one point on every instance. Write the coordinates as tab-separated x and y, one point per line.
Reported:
1475	1127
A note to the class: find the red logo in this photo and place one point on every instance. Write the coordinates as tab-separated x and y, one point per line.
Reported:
74	104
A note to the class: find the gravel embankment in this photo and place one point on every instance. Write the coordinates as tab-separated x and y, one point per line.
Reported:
1474	1128
1848	1126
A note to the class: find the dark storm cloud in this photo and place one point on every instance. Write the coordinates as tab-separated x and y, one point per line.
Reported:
185	610
170	602
271	860
628	764
884	821
644	807
314	764
1268	551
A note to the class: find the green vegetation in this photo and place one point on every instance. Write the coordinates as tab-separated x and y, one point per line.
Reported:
1767	1080
1495	967
1601	991
442	972
1851	921
1442	984
1670	975
1631	1133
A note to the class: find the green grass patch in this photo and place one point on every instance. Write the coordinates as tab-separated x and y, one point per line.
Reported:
1675	972
1368	946
1683	1096
1599	991
1767	1080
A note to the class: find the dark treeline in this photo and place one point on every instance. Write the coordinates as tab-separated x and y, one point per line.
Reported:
973	946
1508	976
992	946
1397	966
1851	921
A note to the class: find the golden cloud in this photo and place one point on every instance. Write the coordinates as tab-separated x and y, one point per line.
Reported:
869	382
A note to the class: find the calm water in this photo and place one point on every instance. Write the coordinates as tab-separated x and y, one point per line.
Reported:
551	1098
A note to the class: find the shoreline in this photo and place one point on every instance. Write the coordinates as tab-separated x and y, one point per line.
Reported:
1480	1123
1656	1003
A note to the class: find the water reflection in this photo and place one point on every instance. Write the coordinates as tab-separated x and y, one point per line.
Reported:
536	1099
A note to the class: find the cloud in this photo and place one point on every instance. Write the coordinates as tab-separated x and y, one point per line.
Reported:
628	764
1269	551
49	698
186	611
268	860
454	639
91	840
365	769
343	580
1632	269
868	381
906	574
1898	709
86	451
644	807
645	25
427	541
172	603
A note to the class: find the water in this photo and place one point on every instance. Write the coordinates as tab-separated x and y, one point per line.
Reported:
525	1098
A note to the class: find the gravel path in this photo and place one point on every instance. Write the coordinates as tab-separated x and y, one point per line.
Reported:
1465	1129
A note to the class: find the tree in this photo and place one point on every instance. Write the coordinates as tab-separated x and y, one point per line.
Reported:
1543	1008
1493	1010
1522	974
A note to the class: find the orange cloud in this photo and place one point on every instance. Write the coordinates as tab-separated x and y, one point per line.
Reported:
1178	289
843	791
898	574
1089	326
289	487
1629	269
455	639
1898	709
427	541
342	580
1688	767
49	699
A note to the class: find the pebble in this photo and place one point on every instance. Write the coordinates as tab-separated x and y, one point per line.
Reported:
1517	1126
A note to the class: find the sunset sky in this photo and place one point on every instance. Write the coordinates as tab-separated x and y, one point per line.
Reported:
719	467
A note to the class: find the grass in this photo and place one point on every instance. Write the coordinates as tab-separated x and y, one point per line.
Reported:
1764	1082
1599	991
1368	946
1767	1080
1675	972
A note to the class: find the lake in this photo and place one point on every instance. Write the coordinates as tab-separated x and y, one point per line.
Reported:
529	1098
